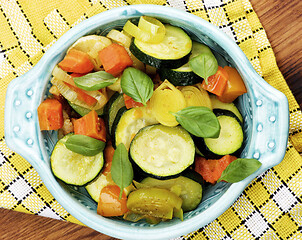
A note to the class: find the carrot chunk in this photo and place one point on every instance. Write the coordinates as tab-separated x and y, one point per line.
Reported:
76	61
211	169
50	115
115	59
90	125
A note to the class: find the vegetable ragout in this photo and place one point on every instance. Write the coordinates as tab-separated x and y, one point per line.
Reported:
145	118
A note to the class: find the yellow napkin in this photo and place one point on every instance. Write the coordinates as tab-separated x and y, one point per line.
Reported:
269	208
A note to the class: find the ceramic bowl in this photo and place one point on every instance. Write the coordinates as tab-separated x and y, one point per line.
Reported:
264	110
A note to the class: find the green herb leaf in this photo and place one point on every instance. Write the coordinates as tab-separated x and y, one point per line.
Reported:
95	81
204	65
121	168
239	170
137	85
84	145
199	121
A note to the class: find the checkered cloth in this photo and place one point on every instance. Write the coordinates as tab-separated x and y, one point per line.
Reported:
269	208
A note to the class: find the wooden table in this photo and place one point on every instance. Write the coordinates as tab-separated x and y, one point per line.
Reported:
282	21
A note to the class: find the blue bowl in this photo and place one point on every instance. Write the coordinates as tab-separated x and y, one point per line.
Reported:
264	110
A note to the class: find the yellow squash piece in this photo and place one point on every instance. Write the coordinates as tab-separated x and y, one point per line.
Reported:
165	99
196	96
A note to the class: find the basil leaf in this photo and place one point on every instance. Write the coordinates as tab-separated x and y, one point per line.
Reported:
84	145
94	81
204	65
137	85
199	121
239	170
121	168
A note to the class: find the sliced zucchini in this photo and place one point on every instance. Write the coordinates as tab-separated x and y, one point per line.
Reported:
190	190
161	151
230	138
73	168
115	103
130	122
83	111
216	104
184	76
117	118
172	52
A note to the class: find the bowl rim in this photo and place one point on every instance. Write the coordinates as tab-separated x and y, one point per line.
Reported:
105	225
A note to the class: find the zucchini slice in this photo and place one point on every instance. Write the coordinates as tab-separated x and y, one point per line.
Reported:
184	76
172	52
73	168
161	151
230	138
130	122
190	190
216	104
115	103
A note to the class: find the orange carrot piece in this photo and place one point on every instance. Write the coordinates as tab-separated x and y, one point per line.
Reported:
109	203
76	61
115	59
50	114
217	82
90	125
211	169
235	86
130	103
108	155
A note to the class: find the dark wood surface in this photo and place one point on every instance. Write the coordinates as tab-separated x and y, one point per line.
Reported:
282	20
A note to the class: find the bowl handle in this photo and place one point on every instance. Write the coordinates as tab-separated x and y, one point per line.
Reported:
22	131
269	120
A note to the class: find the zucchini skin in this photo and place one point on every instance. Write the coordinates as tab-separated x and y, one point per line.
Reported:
201	145
178	78
156	62
118	116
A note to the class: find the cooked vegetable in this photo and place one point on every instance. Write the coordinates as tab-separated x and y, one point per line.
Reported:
110	204
239	170
149	30
230	138
130	103
91	125
156	202
121	168
130	122
211	169
199	121
235	86
161	151
83	111
113	106
74	168
137	85
84	145
216	104
61	78
172	52
94	81
184	76
204	65
216	83
115	59
190	191
196	96
165	99
76	61
50	115
119	37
